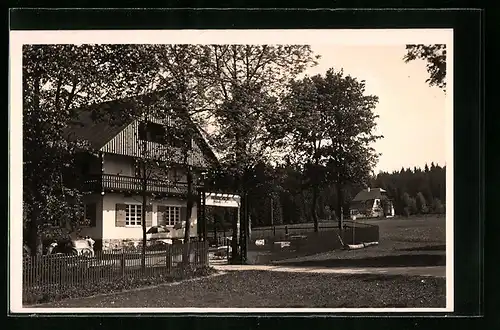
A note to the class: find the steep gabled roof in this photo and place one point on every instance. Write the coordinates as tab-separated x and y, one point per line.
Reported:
100	123
365	195
97	133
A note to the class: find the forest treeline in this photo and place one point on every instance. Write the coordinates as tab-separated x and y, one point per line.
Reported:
280	195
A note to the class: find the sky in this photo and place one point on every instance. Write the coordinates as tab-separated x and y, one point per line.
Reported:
411	113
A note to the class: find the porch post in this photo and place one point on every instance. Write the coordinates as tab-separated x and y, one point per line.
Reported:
244	228
203	213
198	215
238	224
101	160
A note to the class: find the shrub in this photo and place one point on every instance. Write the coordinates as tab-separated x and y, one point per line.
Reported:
437	206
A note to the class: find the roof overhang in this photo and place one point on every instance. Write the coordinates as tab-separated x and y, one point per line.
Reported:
222	200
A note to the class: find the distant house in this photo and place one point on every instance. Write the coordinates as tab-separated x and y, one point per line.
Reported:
371	203
113	202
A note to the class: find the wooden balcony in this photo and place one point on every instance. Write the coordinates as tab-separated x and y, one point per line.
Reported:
121	183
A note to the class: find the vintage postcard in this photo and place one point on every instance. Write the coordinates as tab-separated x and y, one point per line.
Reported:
231	171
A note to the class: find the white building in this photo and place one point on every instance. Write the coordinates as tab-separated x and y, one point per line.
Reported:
113	203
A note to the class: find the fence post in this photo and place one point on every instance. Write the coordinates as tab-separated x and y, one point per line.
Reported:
286	230
169	258
122	263
274	230
166	258
353	234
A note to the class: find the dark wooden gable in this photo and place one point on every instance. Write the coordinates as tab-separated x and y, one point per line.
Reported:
108	130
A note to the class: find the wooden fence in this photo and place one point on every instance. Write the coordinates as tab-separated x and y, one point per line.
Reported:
53	273
283	231
296	241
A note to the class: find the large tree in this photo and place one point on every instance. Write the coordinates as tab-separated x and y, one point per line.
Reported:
331	126
435	56
56	80
233	88
245	82
183	75
307	123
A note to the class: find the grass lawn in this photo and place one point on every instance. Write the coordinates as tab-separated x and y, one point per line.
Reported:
414	241
262	289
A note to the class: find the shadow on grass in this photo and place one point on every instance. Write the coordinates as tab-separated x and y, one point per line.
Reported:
426	248
382	261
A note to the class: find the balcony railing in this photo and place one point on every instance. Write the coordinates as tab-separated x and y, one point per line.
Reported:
112	182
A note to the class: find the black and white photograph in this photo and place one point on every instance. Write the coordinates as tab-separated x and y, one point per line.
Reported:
231	171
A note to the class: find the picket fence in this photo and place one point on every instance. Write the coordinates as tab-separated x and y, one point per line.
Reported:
53	273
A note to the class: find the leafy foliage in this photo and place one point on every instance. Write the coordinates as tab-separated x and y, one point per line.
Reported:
330	125
245	84
427	187
57	79
421	204
435	55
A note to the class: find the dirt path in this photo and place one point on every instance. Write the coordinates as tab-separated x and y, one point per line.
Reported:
432	271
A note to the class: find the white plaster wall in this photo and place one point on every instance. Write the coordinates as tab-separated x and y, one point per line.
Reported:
114	164
110	231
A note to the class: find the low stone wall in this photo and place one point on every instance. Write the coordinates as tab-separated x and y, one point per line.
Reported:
118	244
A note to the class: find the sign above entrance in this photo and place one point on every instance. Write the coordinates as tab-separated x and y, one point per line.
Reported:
222	200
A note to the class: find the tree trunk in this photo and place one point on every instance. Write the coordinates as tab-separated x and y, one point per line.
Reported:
234	236
143	217
339	210
215	231
272	211
189	210
35	239
187	231
243	227
314	203
304	207
238	185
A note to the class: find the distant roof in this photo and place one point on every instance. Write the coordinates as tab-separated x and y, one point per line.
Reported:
99	123
365	195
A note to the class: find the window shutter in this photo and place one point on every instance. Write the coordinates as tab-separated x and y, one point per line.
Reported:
149	215
120	215
160	215
91	213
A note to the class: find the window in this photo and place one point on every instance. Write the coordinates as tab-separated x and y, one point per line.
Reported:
158	133
169	215
133	215
152	132
178	177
